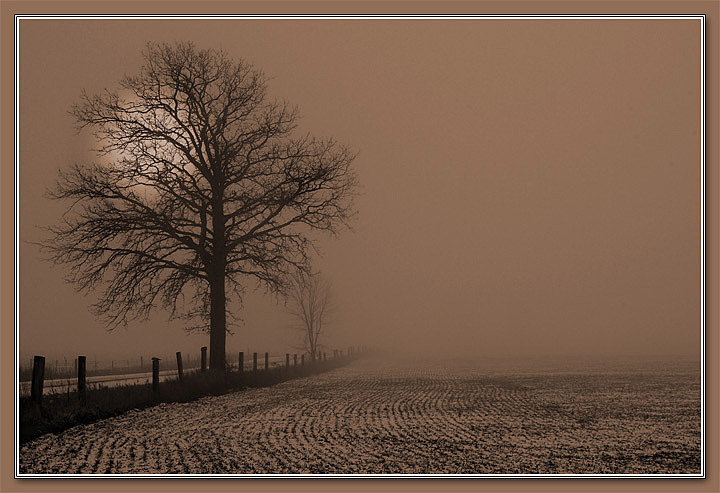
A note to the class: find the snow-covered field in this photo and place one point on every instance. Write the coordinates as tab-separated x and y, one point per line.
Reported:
380	417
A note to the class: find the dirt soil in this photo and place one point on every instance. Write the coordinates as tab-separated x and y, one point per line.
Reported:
379	417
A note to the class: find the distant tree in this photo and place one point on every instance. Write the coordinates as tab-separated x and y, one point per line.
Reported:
201	183
309	304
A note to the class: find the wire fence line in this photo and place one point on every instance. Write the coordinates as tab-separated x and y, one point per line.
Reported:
64	367
54	378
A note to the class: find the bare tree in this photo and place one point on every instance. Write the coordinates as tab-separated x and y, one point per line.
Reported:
309	304
201	183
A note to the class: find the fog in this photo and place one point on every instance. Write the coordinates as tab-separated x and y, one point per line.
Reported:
528	187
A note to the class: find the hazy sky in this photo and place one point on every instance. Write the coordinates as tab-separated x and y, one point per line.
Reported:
528	186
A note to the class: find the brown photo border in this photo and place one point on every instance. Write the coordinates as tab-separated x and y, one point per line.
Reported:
711	10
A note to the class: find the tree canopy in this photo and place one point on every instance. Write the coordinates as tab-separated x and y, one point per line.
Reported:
201	184
310	304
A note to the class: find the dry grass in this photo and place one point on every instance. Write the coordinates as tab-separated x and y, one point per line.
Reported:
62	410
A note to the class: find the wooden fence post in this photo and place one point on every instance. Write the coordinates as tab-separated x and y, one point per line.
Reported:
324	356
81	376
155	376
302	360
267	362
38	376
203	358
241	361
141	363
287	361
254	362
178	355
294	359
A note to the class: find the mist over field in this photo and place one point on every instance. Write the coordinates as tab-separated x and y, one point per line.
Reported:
519	196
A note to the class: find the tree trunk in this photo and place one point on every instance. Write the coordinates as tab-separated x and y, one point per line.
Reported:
217	323
217	293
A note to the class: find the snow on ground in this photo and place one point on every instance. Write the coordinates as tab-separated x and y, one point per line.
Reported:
375	417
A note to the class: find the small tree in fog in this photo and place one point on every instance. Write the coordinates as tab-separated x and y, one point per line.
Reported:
309	305
201	184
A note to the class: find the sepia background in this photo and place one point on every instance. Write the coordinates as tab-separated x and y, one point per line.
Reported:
529	187
587	7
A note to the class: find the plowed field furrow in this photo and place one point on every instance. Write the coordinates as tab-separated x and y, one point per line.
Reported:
374	417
